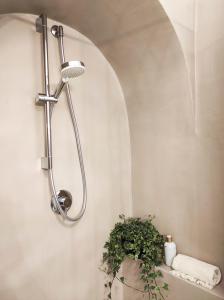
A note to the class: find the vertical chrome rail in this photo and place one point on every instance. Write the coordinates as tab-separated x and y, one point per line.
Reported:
41	26
43	19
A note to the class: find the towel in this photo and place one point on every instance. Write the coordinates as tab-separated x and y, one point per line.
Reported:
196	271
191	279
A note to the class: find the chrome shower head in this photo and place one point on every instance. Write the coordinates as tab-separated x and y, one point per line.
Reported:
72	69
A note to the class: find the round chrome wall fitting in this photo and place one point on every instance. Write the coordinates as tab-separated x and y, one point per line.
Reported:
57	31
64	199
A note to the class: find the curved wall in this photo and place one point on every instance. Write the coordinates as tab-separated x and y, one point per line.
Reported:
175	127
41	258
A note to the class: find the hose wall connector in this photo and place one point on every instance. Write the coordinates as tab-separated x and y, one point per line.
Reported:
57	31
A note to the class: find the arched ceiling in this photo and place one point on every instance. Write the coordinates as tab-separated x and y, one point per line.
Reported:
135	36
100	20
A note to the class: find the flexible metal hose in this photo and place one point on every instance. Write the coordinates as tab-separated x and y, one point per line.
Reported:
79	151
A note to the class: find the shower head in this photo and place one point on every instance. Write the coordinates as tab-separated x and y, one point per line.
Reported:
69	70
72	69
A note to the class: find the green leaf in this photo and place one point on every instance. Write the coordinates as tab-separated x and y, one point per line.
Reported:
122	279
165	286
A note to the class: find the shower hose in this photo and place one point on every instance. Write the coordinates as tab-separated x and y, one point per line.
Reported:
79	151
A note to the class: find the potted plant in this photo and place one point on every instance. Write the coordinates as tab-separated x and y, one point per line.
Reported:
139	240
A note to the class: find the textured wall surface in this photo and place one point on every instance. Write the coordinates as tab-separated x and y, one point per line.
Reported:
39	257
198	25
209	46
170	70
175	113
178	151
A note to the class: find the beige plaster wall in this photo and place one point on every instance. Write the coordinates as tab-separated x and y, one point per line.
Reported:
189	165
209	46
177	136
39	257
182	16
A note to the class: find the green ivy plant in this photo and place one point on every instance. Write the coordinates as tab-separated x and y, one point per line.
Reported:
139	240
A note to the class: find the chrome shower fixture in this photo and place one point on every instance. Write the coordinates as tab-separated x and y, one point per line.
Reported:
65	200
61	200
70	69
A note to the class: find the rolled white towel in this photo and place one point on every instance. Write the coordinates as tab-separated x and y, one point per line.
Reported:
198	269
191	279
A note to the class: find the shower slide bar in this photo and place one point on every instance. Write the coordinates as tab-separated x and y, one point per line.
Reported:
61	201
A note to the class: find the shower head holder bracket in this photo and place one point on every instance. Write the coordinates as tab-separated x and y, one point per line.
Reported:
41	99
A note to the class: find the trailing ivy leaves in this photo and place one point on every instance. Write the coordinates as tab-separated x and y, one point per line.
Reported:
139	240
